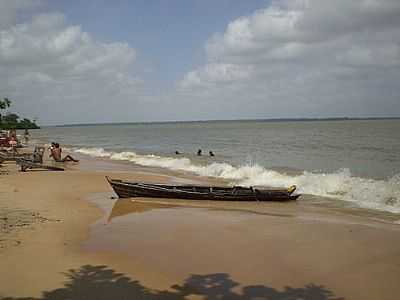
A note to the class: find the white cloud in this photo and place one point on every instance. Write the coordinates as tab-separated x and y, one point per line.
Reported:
292	58
9	9
216	74
320	57
48	66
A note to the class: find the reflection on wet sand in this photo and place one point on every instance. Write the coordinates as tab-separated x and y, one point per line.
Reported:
124	207
271	244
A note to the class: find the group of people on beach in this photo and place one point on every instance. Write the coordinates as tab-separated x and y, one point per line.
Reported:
9	144
8	139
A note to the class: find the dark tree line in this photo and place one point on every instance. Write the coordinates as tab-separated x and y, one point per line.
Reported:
12	120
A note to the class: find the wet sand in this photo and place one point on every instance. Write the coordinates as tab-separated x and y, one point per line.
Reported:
64	237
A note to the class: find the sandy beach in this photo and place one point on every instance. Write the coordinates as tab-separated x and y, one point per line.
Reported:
276	123
64	235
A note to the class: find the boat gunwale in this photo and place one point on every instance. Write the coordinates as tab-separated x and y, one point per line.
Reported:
179	187
126	189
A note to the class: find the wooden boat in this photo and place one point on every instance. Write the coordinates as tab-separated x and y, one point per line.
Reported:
26	164
126	189
10	156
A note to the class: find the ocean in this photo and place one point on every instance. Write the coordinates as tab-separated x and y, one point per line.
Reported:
355	161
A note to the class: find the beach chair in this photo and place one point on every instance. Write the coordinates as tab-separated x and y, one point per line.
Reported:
36	162
37	155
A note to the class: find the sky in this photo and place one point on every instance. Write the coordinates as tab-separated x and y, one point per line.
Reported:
96	61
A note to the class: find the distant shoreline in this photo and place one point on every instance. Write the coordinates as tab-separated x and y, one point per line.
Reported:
231	120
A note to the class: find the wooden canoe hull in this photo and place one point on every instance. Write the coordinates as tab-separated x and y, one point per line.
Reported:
126	189
26	165
12	156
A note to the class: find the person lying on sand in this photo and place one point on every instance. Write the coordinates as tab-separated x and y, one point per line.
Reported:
55	153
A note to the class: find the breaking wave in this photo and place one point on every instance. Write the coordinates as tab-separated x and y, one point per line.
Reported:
369	193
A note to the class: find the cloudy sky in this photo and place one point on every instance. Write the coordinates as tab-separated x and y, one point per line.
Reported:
156	60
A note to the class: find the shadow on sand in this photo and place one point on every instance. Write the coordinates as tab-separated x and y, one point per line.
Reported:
101	283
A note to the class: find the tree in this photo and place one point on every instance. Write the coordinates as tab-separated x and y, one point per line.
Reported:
11	120
4	104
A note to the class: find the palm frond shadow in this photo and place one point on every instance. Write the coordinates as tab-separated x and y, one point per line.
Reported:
101	283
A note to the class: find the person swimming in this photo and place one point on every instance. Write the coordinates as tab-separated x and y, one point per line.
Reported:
211	153
177	152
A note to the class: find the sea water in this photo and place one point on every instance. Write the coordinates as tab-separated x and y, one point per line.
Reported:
357	161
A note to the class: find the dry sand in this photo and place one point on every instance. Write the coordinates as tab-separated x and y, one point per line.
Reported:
62	237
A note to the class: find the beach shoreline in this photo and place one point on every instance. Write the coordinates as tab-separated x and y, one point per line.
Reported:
64	220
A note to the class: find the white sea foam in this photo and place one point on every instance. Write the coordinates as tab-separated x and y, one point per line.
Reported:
95	152
369	193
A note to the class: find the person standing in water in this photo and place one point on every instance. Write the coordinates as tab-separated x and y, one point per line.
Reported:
26	136
199	152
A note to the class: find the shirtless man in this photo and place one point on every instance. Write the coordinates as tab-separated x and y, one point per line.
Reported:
55	153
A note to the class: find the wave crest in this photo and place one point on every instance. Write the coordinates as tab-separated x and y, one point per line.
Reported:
368	193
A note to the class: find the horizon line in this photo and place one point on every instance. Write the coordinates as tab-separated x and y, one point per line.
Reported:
230	120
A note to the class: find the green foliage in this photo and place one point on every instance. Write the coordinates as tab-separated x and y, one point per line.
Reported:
12	120
5	103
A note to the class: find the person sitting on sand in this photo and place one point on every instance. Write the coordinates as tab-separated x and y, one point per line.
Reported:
55	153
